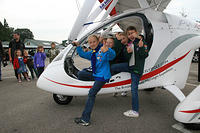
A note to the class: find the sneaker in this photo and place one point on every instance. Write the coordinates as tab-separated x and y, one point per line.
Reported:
28	79
131	113
82	122
124	93
20	81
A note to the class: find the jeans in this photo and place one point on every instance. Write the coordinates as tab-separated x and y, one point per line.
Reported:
91	99
120	67
124	67
85	75
134	91
0	66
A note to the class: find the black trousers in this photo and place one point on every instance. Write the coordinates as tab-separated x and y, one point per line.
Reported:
40	71
15	70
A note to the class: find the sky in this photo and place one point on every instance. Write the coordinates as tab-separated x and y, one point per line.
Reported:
53	19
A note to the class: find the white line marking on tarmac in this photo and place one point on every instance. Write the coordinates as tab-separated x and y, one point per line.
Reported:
180	128
8	77
191	84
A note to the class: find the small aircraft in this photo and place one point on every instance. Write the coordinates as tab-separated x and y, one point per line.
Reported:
172	40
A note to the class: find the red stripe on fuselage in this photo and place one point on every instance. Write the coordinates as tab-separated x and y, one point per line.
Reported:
191	111
125	82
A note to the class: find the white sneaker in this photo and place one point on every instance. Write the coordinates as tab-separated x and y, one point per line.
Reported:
124	93
131	113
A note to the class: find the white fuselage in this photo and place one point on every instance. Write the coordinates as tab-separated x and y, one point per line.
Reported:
168	63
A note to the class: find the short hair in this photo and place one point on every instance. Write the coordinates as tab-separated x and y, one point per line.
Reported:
131	28
111	38
17	33
53	43
123	34
40	46
95	36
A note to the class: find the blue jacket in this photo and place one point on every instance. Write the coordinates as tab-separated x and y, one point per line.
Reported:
102	61
39	59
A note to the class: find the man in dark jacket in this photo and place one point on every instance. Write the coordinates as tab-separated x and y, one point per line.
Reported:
2	57
14	45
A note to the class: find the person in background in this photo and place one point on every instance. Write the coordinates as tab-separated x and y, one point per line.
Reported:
141	37
30	64
14	45
2	57
99	57
53	52
39	60
19	65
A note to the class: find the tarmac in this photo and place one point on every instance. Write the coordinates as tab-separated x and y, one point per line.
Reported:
26	109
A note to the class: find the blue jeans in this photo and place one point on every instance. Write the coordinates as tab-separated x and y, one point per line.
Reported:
85	75
0	66
120	67
135	79
124	67
91	99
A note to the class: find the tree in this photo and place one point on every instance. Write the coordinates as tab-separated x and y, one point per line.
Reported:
5	31
25	33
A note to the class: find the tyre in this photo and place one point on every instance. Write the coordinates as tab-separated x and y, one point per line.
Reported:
61	99
192	126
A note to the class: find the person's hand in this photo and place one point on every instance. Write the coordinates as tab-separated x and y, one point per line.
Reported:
129	50
10	60
141	44
76	43
104	48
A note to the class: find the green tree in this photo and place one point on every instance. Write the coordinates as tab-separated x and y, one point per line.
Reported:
5	31
25	33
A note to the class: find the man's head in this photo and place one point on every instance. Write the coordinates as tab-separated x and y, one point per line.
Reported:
53	45
131	32
124	38
16	36
110	42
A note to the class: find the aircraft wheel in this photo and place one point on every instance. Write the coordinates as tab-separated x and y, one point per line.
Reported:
192	126
61	99
149	89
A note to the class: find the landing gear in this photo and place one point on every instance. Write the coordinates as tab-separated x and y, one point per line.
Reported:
192	126
61	99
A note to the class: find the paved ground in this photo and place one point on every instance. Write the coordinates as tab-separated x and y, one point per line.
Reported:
26	109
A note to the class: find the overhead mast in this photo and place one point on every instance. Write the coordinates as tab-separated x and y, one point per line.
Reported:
86	17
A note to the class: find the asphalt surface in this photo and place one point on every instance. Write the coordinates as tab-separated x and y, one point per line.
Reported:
26	109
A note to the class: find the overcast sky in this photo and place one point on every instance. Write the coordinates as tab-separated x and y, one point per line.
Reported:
53	19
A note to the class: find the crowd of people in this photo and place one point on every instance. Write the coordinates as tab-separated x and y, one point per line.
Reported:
109	56
21	59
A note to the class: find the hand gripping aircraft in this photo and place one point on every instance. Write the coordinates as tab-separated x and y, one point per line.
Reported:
172	41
